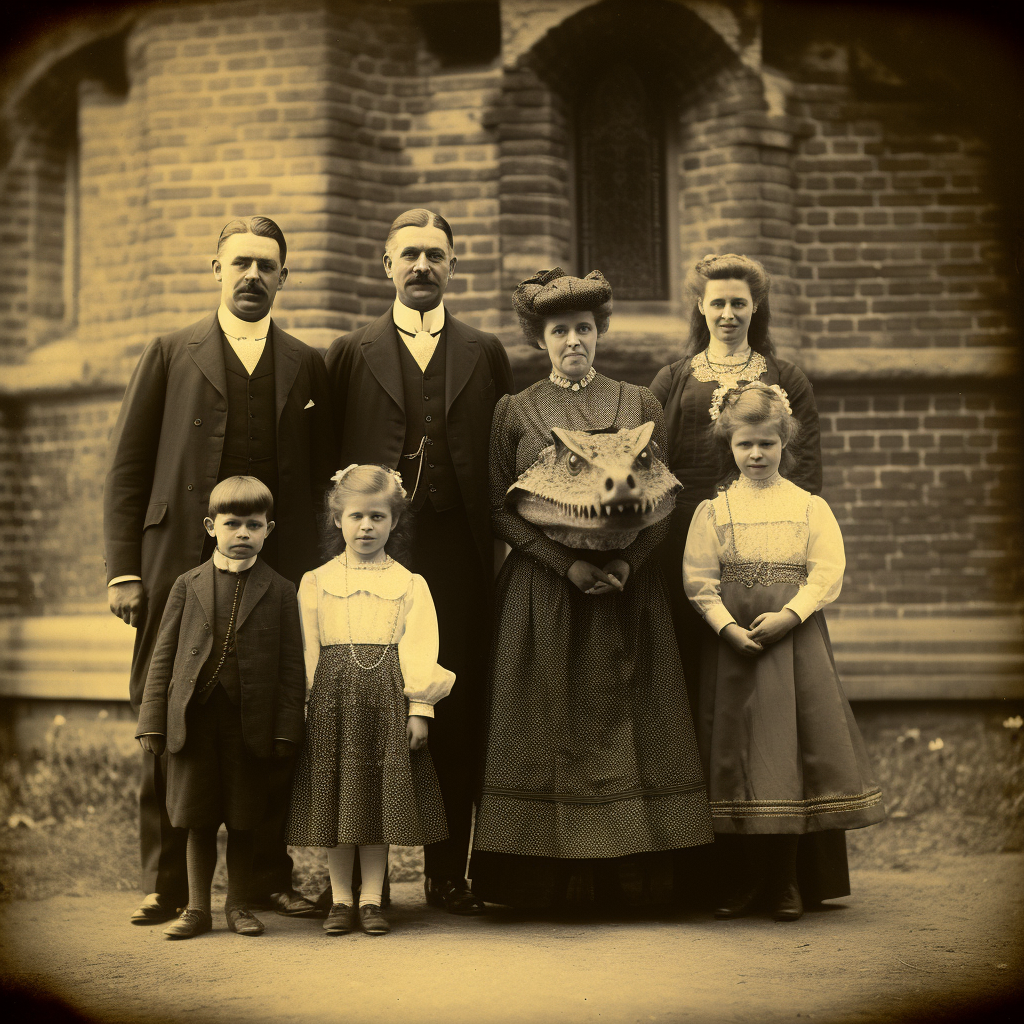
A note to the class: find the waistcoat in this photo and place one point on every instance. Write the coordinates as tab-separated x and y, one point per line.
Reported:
223	596
425	417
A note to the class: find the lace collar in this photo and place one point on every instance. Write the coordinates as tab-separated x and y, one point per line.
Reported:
572	385
387	579
706	371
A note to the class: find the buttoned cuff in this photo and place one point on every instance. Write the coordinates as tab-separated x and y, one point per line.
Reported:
424	710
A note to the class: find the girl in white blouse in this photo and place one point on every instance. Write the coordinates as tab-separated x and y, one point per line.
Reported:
780	746
365	778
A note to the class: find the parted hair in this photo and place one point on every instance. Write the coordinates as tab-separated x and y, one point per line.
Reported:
262	226
731	267
363	480
420	219
241	496
752	405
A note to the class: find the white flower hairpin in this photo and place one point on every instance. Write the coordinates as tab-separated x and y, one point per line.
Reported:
718	398
342	473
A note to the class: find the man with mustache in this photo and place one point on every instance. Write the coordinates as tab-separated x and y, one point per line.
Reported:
415	390
231	395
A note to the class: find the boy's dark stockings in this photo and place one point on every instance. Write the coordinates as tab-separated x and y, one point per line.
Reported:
201	855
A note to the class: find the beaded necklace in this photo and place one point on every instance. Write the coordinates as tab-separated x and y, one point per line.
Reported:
373	567
572	385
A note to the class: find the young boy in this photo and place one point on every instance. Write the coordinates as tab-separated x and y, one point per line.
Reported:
225	693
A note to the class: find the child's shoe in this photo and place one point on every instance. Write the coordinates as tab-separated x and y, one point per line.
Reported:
788	905
243	922
190	924
340	919
373	921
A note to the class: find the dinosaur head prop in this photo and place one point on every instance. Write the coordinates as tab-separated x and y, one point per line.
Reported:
596	489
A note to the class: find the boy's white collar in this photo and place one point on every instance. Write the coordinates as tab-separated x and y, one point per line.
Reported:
244	330
221	561
413	321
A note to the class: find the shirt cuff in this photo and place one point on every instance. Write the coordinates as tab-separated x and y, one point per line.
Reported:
803	604
718	618
124	579
425	710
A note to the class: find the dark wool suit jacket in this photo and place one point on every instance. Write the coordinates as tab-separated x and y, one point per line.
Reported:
369	406
166	452
268	644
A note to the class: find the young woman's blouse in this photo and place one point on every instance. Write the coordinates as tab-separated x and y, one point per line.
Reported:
375	605
756	522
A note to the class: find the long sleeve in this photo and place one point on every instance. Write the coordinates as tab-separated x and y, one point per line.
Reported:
291	690
309	622
321	434
133	450
509	525
826	561
806	473
647	540
153	710
702	572
425	681
662	385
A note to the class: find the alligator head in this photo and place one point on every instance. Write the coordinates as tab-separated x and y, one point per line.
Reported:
596	489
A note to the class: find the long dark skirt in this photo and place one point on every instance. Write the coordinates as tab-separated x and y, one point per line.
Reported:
357	781
592	774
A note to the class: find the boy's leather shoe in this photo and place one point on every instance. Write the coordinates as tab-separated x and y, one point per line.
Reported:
373	921
452	895
154	909
341	919
243	922
292	904
788	904
189	925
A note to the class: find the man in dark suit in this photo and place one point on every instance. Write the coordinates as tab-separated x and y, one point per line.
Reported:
230	395
415	390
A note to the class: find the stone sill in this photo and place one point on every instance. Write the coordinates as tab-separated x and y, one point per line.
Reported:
88	657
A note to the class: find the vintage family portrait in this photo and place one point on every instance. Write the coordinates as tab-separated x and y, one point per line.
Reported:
530	483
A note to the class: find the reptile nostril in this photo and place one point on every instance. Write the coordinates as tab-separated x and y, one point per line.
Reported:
630	482
609	484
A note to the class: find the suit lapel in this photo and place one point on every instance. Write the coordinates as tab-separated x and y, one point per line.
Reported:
205	348
461	356
202	584
287	356
380	350
255	588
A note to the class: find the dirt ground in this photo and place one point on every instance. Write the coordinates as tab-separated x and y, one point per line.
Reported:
942	941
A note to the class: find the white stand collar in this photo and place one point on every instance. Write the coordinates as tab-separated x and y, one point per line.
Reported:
413	321
221	561
237	329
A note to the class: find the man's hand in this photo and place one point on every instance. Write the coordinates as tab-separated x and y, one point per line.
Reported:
771	626
127	601
153	744
740	640
416	728
591	580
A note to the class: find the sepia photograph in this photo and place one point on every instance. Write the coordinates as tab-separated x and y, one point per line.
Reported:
508	512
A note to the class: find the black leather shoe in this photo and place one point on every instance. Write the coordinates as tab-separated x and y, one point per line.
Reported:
788	905
292	904
243	922
373	921
340	920
189	925
740	902
453	895
154	909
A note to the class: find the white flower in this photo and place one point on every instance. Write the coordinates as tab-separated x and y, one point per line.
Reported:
59	720
936	744
1013	723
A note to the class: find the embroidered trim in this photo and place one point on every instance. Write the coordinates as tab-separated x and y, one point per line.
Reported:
795	808
765	573
705	371
573	798
572	385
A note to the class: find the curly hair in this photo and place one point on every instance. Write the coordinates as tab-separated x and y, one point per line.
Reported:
731	267
366	480
751	405
551	292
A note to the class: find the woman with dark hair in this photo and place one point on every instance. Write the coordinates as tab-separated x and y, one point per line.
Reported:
592	778
730	344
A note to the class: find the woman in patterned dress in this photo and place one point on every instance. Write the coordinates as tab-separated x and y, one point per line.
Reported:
592	776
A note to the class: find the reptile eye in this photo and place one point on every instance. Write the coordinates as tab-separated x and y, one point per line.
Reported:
644	459
575	464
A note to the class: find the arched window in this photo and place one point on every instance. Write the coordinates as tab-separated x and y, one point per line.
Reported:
620	182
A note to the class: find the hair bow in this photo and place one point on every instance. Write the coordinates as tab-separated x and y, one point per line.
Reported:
721	393
342	473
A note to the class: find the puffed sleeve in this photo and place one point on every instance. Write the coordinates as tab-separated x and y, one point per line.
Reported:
506	523
702	572
310	622
424	680
826	562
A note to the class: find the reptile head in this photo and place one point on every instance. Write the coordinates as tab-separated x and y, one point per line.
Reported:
596	489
